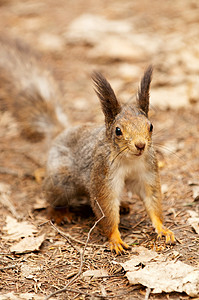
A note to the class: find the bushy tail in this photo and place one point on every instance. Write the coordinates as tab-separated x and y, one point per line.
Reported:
29	90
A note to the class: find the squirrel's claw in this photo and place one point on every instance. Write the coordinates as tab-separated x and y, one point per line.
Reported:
116	243
119	248
170	238
161	230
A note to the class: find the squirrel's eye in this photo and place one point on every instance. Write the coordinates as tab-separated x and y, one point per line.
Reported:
118	131
151	128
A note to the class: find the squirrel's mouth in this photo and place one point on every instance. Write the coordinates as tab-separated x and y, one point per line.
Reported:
134	153
139	153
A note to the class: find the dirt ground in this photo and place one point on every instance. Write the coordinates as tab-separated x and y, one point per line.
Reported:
168	37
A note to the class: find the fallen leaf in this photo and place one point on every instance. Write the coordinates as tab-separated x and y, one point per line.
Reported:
193	182
5	191
156	272
90	28
195	190
111	39
30	269
17	230
116	47
40	204
164	100
28	244
164	188
95	273
128	71
51	42
194	220
23	296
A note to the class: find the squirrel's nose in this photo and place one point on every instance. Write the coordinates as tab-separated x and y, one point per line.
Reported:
140	146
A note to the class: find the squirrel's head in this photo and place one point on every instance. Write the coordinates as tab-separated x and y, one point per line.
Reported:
127	126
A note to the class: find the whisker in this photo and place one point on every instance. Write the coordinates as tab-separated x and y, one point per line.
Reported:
163	132
170	151
124	149
185	167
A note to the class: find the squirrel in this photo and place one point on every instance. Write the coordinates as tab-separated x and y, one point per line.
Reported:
86	160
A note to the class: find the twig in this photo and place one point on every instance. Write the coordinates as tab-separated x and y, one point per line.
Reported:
138	223
95	295
32	159
8	267
7	171
44	223
148	291
81	256
74	239
63	235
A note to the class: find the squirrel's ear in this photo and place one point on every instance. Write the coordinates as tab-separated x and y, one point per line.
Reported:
143	92
106	95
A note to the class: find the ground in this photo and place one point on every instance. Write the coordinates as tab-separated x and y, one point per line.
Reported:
165	33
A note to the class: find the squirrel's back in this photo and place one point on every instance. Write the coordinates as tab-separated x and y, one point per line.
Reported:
29	89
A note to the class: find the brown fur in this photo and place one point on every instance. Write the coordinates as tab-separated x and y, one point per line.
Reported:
143	92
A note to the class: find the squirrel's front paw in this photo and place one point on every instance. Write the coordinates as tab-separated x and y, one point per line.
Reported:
116	243
170	238
161	230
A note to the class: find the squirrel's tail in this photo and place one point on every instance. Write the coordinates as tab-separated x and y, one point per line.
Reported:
29	90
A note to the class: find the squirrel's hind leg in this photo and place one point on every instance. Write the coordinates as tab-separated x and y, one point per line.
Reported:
59	215
61	191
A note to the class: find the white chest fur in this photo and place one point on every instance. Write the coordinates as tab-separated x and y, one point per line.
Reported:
136	171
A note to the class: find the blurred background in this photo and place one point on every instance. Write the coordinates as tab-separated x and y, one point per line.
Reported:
120	39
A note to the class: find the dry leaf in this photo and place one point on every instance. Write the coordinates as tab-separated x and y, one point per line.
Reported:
17	230
24	296
8	125
90	28
195	189
164	188
95	273
5	191
50	42
116	47
164	100
194	220
30	269
154	271
28	244
40	204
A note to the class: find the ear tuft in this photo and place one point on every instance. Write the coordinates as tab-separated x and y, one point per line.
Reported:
143	92
106	95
